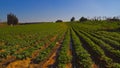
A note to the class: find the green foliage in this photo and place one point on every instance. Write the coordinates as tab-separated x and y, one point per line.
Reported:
72	19
12	19
98	45
100	37
83	19
14	39
63	57
83	57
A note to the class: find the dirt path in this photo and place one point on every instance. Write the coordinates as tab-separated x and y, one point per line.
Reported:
50	62
6	61
69	65
20	64
74	64
71	52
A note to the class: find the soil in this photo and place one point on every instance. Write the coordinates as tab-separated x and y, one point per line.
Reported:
26	63
51	62
69	65
95	58
94	66
20	64
35	53
52	58
6	61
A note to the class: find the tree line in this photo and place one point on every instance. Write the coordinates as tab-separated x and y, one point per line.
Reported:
99	18
13	20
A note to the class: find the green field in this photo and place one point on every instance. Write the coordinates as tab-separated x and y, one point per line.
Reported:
90	44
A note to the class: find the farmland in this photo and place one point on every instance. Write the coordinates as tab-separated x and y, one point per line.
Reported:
63	45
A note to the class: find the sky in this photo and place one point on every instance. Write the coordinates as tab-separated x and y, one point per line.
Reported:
52	10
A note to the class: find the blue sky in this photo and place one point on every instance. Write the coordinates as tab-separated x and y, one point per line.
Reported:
51	10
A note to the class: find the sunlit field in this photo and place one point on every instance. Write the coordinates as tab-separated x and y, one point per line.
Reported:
90	44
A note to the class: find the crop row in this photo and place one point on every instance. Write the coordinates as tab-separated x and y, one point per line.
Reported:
111	42
108	36
98	52
111	34
10	50
108	61
22	45
63	57
110	49
83	57
44	54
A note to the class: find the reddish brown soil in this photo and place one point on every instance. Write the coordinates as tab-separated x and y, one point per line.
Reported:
94	66
20	64
52	58
69	65
2	50
6	61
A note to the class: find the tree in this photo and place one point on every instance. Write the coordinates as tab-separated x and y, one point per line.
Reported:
12	19
82	19
59	21
113	19
72	19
